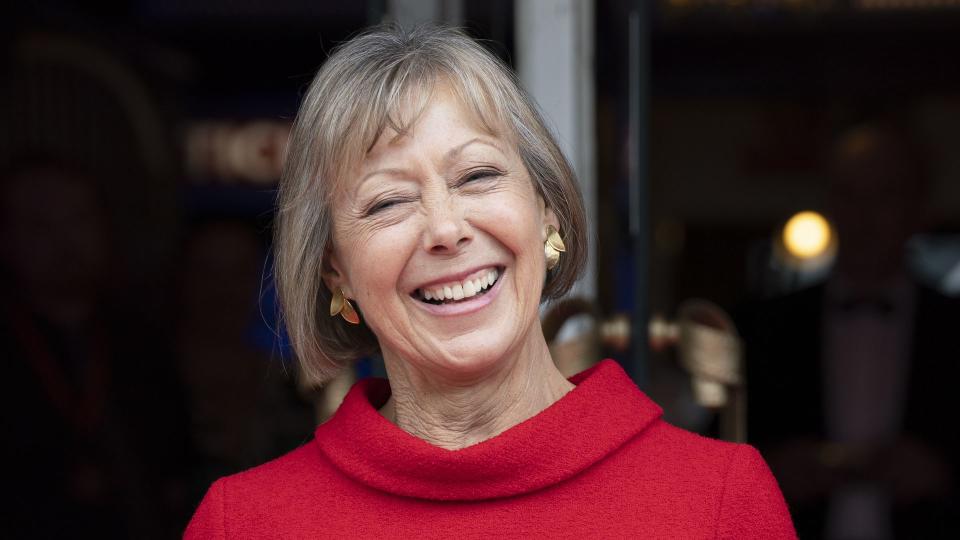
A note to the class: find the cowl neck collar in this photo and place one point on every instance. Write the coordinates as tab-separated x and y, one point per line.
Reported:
599	415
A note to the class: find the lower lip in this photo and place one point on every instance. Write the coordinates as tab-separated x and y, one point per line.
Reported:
464	307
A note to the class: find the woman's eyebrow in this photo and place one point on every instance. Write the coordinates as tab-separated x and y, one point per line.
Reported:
389	170
392	171
456	150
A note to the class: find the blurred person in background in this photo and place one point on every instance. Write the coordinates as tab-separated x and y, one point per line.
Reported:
243	406
92	435
853	383
425	214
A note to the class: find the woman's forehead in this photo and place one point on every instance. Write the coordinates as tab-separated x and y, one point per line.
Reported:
398	126
444	119
479	113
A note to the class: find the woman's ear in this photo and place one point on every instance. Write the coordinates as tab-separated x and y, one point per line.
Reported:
333	275
550	218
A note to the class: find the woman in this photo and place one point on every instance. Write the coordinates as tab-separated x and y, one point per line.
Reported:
428	210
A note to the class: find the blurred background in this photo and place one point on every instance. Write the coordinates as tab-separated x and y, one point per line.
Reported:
774	194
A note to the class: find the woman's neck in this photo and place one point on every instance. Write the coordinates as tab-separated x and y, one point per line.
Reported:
456	415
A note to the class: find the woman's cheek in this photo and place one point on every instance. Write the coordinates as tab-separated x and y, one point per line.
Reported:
387	250
512	219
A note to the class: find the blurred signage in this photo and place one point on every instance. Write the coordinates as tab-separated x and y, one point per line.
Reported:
234	152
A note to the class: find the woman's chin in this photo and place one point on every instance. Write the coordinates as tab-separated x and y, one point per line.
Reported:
465	363
460	359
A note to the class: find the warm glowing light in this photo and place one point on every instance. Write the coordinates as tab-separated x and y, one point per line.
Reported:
807	235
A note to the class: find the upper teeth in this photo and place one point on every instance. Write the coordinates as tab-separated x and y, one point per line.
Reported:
458	290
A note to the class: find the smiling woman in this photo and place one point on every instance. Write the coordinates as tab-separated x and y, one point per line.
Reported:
350	149
427	208
441	206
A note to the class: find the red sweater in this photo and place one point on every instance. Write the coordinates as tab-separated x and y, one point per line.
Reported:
598	463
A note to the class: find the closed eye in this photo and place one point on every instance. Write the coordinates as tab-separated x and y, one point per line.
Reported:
481	174
380	206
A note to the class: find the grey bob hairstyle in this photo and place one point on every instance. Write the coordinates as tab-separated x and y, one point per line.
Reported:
362	89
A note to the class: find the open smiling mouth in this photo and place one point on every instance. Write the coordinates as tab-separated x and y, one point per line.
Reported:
458	291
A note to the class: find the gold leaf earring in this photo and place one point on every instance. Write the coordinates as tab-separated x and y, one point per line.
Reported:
340	305
553	247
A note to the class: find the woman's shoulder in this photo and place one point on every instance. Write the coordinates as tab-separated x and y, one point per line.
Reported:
265	494
687	465
686	444
290	473
268	490
694	455
293	462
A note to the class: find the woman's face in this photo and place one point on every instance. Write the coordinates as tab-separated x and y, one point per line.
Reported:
438	237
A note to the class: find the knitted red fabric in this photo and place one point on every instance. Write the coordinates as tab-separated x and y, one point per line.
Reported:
598	463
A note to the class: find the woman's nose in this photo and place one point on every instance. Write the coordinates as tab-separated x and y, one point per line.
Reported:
447	231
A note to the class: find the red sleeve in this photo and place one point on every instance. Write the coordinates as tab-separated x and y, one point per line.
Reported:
752	505
208	521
